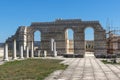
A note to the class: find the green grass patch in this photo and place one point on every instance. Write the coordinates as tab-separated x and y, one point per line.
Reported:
106	62
30	69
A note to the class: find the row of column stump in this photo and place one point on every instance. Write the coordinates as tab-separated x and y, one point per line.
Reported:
21	55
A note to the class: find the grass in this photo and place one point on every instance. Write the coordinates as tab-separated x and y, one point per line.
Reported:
106	62
30	69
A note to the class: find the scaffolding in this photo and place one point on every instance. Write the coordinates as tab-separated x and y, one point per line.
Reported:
113	40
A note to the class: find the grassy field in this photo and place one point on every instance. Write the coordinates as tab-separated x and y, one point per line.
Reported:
30	69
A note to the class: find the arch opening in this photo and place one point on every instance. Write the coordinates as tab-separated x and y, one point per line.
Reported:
37	39
89	39
69	40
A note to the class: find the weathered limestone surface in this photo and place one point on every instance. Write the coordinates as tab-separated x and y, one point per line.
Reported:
56	30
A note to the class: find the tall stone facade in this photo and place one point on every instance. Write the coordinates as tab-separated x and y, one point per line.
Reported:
56	30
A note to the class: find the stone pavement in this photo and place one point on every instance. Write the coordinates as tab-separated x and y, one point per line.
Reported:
88	68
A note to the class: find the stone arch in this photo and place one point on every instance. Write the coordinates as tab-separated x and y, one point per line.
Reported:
30	38
37	41
89	27
99	40
69	40
37	31
69	28
31	32
37	34
89	38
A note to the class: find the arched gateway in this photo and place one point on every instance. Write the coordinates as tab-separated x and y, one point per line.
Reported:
56	30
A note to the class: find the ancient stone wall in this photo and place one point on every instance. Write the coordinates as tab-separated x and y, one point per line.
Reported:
56	30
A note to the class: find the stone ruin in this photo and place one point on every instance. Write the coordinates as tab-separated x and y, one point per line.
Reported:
53	41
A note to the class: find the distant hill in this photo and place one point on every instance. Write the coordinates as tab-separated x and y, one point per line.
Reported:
1	45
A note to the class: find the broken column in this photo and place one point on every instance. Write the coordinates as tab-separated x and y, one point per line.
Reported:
54	50
52	41
32	49
14	49
39	53
45	53
6	52
21	52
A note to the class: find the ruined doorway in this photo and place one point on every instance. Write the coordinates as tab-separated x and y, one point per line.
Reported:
69	41
89	40
37	40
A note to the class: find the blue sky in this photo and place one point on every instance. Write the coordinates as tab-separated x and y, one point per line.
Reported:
14	13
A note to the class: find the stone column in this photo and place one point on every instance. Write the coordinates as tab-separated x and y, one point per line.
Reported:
14	49
54	52
27	52
52	41
32	49
21	52
6	52
45	53
39	53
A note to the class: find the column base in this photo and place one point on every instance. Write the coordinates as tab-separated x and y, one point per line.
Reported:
27	57
21	57
5	59
14	58
53	53
32	55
